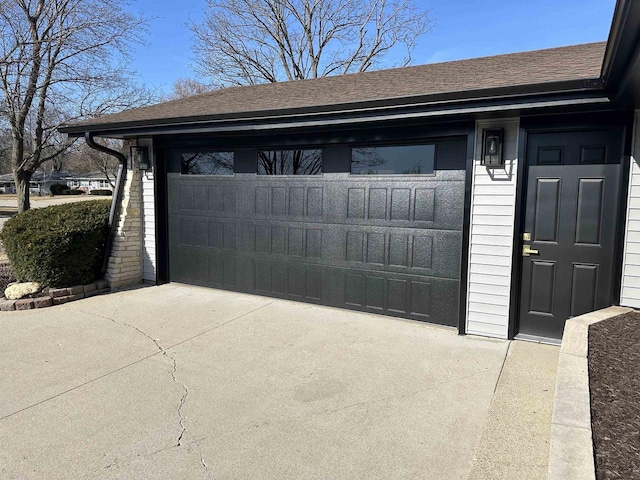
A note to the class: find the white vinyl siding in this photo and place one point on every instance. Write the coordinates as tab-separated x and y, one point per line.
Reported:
630	294
493	200
148	220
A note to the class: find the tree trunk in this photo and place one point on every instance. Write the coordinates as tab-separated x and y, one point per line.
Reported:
22	180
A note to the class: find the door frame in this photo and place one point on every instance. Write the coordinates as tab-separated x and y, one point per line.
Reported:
566	124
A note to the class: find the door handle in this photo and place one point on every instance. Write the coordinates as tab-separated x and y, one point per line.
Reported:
527	251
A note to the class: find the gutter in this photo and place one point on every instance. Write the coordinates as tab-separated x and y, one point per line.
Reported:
115	199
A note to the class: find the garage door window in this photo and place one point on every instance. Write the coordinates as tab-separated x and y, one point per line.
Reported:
393	160
207	163
289	162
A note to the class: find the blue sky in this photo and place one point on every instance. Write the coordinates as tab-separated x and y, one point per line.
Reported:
463	29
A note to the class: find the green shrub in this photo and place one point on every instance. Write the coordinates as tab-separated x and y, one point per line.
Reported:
72	192
101	191
57	188
58	246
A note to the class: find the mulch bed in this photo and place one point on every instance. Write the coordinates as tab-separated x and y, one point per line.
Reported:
614	381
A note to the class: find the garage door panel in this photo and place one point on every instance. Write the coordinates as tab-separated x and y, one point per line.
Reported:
427	252
397	295
392	293
264	200
430	203
424	252
382	244
436	206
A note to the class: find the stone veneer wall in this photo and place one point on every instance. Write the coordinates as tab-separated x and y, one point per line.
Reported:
125	262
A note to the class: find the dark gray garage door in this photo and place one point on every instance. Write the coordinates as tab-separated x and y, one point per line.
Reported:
386	244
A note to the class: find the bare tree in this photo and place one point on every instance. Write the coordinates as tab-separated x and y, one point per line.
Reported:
242	42
61	60
5	150
186	87
83	159
290	162
207	163
366	160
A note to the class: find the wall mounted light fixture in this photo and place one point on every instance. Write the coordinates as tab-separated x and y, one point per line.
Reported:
492	142
142	156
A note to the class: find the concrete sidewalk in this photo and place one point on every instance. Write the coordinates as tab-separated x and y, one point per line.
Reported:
515	437
182	382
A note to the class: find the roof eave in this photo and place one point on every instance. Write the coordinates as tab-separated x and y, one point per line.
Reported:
623	40
621	64
471	102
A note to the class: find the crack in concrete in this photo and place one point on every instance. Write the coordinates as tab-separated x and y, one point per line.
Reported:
161	350
202	462
124	367
115	463
181	418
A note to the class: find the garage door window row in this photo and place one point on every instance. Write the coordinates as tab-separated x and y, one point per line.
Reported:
373	160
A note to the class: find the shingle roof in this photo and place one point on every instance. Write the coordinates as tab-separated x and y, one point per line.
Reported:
39	176
92	176
577	62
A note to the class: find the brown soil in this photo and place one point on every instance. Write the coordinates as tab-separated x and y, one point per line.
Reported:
614	380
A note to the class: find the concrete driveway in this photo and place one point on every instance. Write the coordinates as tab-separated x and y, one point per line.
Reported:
177	382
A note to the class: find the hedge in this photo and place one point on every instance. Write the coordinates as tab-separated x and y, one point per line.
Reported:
57	188
58	246
73	191
101	191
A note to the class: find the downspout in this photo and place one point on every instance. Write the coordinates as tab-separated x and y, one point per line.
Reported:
115	199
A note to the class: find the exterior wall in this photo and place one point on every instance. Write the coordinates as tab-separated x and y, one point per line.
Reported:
148	219
88	185
630	293
125	263
493	201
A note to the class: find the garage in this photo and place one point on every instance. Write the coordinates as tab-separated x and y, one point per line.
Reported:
375	226
410	192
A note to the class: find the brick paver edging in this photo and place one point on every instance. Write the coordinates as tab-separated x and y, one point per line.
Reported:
56	296
571	444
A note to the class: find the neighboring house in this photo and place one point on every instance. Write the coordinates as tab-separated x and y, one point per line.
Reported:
40	183
43	181
6	183
91	181
499	195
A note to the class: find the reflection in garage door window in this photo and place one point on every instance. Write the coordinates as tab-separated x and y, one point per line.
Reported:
396	160
290	162
207	163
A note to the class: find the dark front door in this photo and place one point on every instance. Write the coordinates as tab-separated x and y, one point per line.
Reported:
572	214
